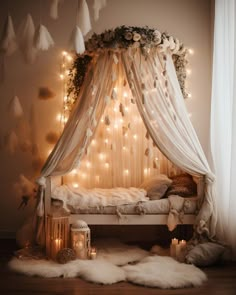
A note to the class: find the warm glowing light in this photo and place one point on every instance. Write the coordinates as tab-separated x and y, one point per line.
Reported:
67	72
115	126
62	76
189	71
156	159
88	164
64	53
124	148
65	98
93	142
126	109
83	175
135	136
125	94
64	119
68	57
126	171
75	185
126	135
115	89
107	165
108	129
101	156
74	171
191	51
106	140
102	120
189	95
49	151
115	110
59	117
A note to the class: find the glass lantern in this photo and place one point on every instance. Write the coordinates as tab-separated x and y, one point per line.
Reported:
57	231
80	239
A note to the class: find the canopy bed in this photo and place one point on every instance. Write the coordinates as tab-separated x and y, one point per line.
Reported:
128	123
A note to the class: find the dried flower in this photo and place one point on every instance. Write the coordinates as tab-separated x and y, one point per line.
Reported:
128	35
136	37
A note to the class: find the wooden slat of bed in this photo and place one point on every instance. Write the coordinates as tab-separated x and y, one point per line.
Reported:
108	219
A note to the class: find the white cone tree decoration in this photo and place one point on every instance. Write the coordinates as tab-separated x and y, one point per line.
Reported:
11	142
54	8
14	108
97	6
8	40
42	39
83	17
76	41
25	38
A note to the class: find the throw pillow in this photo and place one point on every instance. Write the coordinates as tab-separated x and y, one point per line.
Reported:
156	186
182	185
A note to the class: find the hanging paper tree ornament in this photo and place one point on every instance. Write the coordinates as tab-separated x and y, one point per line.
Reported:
14	108
11	142
97	6
25	39
83	17
54	9
8	40
76	41
42	39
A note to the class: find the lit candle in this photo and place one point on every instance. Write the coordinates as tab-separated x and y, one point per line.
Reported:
181	250
93	253
174	243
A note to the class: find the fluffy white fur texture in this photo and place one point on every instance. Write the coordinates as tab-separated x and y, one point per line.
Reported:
164	272
152	271
97	271
118	253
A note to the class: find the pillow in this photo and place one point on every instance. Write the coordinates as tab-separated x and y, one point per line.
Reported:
205	254
182	185
156	186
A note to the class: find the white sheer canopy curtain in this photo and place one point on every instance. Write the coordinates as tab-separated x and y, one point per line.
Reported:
223	119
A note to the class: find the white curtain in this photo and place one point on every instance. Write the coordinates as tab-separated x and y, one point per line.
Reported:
161	105
223	118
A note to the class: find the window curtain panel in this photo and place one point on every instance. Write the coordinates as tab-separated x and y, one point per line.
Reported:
223	119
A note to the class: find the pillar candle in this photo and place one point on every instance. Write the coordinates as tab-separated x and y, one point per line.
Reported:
174	243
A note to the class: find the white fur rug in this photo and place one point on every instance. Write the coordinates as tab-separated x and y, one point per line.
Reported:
151	271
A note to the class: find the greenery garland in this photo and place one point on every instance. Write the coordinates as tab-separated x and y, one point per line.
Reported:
124	37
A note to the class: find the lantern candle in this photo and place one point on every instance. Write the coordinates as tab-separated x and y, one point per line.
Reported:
80	239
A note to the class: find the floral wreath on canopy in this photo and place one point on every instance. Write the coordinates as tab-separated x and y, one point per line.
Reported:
123	38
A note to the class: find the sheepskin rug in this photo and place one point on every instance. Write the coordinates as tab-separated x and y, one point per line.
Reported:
116	263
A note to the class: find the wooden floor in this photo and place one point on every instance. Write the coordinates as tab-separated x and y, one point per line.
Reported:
221	281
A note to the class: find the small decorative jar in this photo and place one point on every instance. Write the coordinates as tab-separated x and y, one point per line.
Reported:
80	239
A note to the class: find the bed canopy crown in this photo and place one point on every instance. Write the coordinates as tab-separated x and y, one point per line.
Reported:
145	59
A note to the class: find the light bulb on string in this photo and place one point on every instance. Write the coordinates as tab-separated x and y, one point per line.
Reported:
64	53
191	51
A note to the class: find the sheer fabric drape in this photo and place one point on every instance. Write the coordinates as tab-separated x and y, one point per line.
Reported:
223	119
161	105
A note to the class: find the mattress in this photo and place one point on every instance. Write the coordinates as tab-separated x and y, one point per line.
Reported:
163	206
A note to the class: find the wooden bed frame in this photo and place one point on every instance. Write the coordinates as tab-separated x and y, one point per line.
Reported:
130	219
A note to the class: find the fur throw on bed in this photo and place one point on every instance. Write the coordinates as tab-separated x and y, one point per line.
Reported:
86	198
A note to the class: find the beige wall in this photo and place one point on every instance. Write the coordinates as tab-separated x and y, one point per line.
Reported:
189	20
